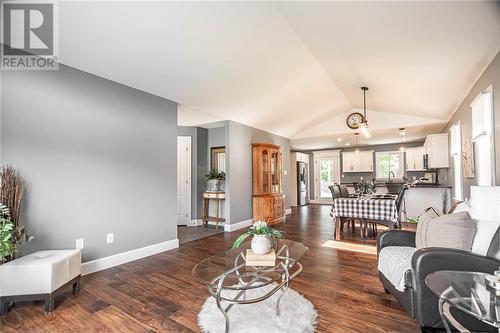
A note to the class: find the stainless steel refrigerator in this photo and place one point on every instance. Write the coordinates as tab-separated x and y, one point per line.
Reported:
302	181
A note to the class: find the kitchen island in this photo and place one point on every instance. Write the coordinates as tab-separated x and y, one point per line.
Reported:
418	198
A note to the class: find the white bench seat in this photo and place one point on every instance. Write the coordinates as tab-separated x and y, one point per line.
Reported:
38	276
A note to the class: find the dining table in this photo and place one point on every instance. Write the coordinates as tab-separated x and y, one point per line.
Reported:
371	207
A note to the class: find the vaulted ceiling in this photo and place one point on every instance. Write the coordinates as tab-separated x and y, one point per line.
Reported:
291	68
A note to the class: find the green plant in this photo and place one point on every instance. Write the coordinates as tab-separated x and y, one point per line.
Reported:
215	175
12	232
412	220
258	228
7	231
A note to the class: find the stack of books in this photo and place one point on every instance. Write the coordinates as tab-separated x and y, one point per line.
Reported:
253	259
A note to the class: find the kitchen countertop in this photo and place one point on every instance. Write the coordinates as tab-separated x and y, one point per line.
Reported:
412	185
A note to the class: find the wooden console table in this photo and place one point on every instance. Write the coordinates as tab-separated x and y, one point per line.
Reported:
218	197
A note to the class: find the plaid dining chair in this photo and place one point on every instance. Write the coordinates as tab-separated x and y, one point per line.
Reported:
337	193
370	226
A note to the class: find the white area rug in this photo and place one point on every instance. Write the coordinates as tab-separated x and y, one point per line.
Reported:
297	314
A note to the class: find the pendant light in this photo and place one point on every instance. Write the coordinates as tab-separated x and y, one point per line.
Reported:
364	125
356	142
402	133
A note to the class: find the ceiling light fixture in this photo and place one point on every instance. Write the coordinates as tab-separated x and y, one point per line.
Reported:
356	142
402	133
339	139
364	125
347	144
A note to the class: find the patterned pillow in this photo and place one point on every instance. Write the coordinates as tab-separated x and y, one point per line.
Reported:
454	231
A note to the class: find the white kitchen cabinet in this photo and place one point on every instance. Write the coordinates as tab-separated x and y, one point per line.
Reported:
365	161
357	162
436	147
347	161
415	159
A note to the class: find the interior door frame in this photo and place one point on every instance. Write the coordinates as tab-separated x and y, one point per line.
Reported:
332	154
188	177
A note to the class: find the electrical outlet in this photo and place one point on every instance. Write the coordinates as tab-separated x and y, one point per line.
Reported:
79	244
109	238
285	172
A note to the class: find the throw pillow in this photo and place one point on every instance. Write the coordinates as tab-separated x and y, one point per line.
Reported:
428	214
454	231
463	207
485	231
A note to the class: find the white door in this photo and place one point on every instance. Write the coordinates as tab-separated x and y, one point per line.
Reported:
183	180
327	172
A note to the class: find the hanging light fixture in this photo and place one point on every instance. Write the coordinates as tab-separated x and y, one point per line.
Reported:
364	124
356	142
402	133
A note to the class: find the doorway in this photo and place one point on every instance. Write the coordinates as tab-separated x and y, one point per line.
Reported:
183	180
326	173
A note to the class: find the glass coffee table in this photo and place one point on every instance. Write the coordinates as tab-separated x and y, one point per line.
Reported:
226	271
469	292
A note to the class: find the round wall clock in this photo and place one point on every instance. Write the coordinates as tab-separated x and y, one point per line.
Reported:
354	120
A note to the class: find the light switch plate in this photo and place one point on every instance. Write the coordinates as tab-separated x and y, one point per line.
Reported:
79	244
109	238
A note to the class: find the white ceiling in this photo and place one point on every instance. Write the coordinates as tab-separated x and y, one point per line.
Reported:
291	68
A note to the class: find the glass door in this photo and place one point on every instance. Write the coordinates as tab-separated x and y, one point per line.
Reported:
327	169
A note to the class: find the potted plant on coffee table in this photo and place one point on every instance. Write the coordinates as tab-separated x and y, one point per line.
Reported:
262	237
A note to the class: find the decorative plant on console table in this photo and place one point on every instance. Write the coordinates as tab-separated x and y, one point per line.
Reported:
11	194
262	237
214	180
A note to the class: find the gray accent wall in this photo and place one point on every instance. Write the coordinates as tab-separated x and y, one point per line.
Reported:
239	154
216	137
491	76
98	157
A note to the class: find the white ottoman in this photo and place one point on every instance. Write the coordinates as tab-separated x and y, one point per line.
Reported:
39	276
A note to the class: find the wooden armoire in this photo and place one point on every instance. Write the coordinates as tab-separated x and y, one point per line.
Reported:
268	199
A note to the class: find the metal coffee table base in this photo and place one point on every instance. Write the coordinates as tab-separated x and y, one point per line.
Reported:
257	279
445	312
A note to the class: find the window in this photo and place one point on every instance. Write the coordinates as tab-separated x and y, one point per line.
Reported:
389	161
483	137
456	153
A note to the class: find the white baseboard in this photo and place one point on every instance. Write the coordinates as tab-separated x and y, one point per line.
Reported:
195	223
288	211
238	225
122	258
221	224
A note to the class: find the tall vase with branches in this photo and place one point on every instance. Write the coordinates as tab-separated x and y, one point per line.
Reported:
11	194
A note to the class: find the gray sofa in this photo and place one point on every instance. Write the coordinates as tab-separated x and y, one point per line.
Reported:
420	302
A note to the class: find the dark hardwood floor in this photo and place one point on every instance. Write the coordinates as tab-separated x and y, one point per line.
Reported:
158	294
187	234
